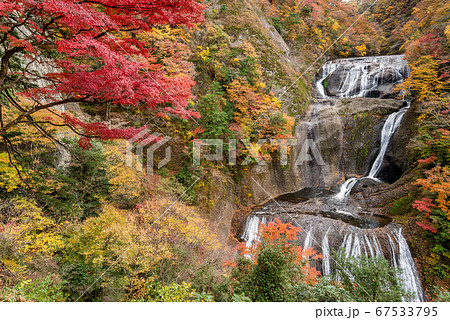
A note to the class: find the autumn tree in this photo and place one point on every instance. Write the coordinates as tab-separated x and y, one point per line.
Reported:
424	82
269	270
157	243
54	52
325	26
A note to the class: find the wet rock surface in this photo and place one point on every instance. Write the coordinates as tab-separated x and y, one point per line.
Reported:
373	77
346	133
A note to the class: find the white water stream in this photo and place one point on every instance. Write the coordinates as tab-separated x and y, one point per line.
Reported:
390	126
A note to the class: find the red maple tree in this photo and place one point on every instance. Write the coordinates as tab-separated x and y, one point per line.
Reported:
55	52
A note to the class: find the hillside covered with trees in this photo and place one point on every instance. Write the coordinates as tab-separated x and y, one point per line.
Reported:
82	218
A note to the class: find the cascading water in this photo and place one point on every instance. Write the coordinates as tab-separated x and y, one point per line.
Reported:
361	77
390	126
411	282
392	123
307	243
325	234
251	229
338	224
346	188
326	266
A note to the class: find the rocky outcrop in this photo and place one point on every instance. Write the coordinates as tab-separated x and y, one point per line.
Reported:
265	182
347	134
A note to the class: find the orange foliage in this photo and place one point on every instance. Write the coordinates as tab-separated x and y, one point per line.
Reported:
319	24
438	182
283	235
424	80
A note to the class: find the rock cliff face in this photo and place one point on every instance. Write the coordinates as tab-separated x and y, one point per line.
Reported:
346	133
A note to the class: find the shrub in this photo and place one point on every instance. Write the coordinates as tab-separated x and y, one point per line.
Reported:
443	295
369	279
323	291
42	290
75	191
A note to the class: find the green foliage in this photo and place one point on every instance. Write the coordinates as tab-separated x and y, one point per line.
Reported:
325	82
240	298
42	290
270	270
443	295
402	206
187	177
211	280
176	293
153	291
323	291
434	142
369	279
203	297
269	278
77	190
79	278
216	113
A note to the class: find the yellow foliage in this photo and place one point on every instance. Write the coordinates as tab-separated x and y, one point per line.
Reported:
35	233
178	220
126	182
335	26
422	117
345	53
204	53
9	179
136	242
177	293
361	50
424	80
249	103
447	32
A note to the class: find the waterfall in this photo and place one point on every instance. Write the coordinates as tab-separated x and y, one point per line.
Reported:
378	250
361	77
351	245
332	222
390	126
250	235
326	266
308	239
346	188
410	277
328	68
393	249
372	245
355	242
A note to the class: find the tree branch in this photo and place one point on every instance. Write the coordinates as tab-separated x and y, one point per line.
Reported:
5	62
36	109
